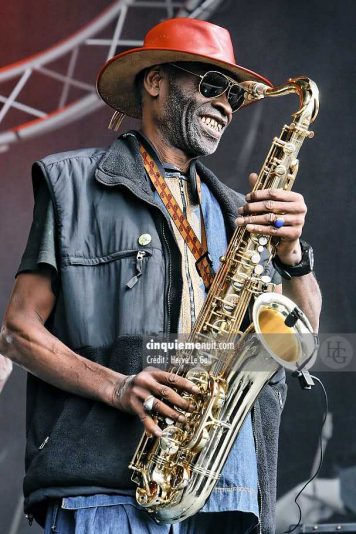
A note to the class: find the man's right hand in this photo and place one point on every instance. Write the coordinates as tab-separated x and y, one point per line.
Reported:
131	393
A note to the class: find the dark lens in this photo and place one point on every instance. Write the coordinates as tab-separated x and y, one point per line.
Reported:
236	97
213	84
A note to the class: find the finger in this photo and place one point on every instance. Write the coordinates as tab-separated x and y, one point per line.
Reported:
290	233
161	407
172	397
274	194
151	427
164	410
252	179
176	381
271	206
270	218
149	384
154	379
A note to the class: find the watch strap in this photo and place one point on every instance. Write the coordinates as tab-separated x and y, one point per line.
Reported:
305	266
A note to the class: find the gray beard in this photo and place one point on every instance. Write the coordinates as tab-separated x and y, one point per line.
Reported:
181	126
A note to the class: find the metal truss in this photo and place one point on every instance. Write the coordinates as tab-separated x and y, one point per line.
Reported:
35	121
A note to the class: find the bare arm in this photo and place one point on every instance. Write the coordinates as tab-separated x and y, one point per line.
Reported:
305	292
25	340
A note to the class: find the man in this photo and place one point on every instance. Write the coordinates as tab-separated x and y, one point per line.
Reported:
105	265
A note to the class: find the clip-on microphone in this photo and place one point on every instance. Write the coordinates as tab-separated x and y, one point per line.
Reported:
303	375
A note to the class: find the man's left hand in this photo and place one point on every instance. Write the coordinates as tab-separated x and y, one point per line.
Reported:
261	210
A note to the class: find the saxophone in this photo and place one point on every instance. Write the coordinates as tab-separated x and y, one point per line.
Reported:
176	472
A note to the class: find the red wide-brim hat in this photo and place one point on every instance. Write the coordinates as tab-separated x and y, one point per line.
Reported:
180	39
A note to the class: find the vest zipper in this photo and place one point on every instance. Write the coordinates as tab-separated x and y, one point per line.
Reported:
258	478
169	281
280	399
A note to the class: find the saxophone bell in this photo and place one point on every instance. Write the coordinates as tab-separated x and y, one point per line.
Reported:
284	331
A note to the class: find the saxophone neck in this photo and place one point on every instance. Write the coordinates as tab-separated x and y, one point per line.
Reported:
308	93
305	88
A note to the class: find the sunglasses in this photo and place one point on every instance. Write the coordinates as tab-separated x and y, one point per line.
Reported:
213	84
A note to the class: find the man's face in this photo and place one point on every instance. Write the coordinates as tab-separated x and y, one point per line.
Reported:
188	120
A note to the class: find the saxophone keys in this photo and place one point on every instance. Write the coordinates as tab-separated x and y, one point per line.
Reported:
204	438
180	477
219	400
266	279
170	440
237	285
230	303
289	148
258	269
199	377
168	421
280	170
220	326
255	258
149	495
294	167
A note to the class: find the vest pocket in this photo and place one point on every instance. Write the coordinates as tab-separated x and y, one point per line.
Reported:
114	294
80	260
140	254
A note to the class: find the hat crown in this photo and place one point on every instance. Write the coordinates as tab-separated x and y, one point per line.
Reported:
179	39
192	36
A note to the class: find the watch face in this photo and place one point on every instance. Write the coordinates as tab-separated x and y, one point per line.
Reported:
308	256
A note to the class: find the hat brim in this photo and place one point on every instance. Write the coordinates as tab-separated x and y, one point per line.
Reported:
116	80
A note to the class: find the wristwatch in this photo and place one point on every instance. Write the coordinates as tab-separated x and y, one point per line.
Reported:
305	266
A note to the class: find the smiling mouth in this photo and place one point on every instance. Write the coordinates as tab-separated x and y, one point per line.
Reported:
213	124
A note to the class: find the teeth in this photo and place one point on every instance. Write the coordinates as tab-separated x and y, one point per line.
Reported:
212	123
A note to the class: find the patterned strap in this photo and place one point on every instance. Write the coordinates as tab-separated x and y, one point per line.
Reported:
200	252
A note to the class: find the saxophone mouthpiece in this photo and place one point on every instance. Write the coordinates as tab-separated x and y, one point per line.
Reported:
254	90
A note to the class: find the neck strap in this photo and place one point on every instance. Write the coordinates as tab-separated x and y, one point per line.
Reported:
199	250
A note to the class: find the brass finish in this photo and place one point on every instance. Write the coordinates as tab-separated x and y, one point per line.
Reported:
177	472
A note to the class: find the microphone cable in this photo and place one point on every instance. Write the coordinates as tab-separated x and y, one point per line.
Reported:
313	477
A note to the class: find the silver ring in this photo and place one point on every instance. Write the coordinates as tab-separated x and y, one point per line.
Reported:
148	404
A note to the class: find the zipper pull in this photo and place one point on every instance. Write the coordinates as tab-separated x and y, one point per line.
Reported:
279	394
29	518
139	259
44	443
